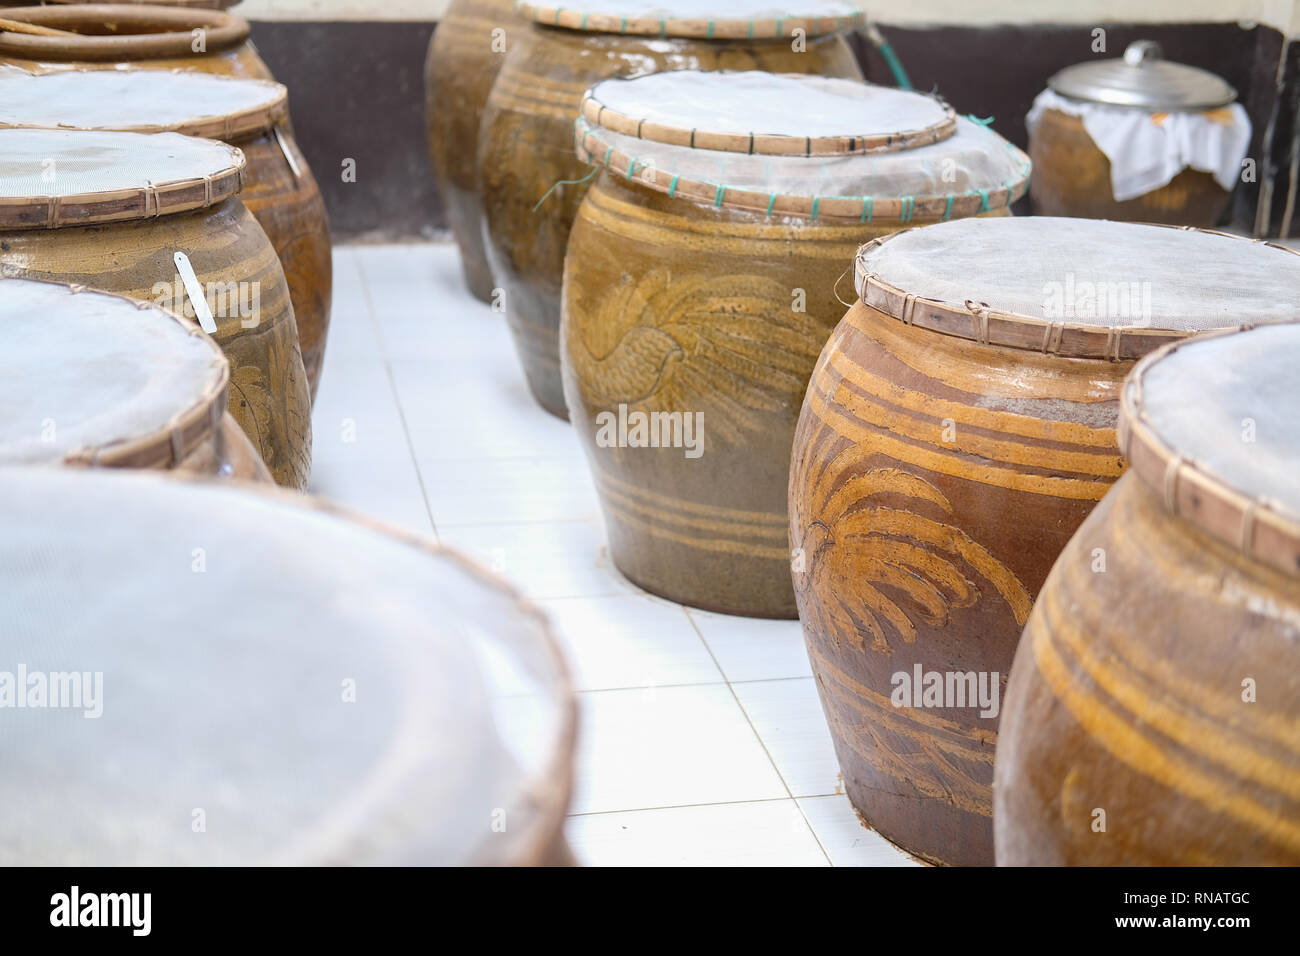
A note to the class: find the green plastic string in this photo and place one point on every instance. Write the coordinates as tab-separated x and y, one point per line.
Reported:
771	201
717	199
814	208
672	188
584	21
895	64
986	122
868	208
566	182
984	199
631	168
709	35
908	205
948	209
558	11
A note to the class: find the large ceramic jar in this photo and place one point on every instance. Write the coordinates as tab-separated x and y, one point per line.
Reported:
1137	138
958	429
468	47
143	35
99	380
157	217
1153	713
531	181
279	188
700	286
386	703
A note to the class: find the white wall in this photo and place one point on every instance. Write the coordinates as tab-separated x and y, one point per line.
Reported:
1282	14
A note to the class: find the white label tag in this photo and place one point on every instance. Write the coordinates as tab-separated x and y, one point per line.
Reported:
195	292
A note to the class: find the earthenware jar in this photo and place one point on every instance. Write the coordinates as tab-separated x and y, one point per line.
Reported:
147	36
468	47
1136	138
387	703
156	217
1152	716
531	181
958	429
700	286
93	379
279	189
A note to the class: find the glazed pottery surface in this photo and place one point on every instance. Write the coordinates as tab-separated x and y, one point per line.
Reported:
526	146
465	55
144	36
1152	714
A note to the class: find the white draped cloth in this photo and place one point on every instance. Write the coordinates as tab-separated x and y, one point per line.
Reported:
1148	149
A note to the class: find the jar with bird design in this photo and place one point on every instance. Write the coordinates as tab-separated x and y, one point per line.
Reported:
700	286
958	429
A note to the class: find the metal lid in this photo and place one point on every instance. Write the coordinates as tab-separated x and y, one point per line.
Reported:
1143	78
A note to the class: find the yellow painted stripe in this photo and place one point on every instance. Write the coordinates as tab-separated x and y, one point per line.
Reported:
704	544
735	514
731	528
834	417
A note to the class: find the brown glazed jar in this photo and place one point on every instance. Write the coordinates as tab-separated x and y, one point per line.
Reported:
1153	712
958	429
149	37
123	223
700	291
1073	176
526	139
467	49
99	380
279	189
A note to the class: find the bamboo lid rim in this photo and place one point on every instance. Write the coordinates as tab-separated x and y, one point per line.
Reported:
1260	529
221	31
168	446
592	149
768	28
148	201
766	144
228	127
977	322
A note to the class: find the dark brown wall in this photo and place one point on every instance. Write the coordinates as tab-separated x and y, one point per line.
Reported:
356	90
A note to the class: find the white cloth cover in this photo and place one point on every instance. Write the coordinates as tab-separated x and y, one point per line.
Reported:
81	370
322	692
1049	268
1202	398
1145	154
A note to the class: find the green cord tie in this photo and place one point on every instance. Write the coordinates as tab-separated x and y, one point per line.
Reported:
948	209
986	122
771	201
672	188
566	182
717	199
814	208
868	208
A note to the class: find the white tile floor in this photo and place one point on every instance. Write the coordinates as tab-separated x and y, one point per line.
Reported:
702	739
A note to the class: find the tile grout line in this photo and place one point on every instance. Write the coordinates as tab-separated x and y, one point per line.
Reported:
691	806
392	386
757	736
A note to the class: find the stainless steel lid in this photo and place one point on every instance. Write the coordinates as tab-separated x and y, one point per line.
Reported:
1143	78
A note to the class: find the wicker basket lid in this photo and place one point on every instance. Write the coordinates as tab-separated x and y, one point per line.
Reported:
121	32
98	379
1210	424
698	19
52	177
201	4
1143	78
377	706
142	101
1076	287
864	154
754	112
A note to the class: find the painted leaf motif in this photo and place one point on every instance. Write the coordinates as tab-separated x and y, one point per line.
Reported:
728	346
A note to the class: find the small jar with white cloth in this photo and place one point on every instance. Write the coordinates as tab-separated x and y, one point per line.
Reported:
1137	138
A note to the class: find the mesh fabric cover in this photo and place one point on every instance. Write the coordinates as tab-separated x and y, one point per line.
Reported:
95	367
127	99
777	104
50	162
223	690
1197	280
1197	400
973	158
